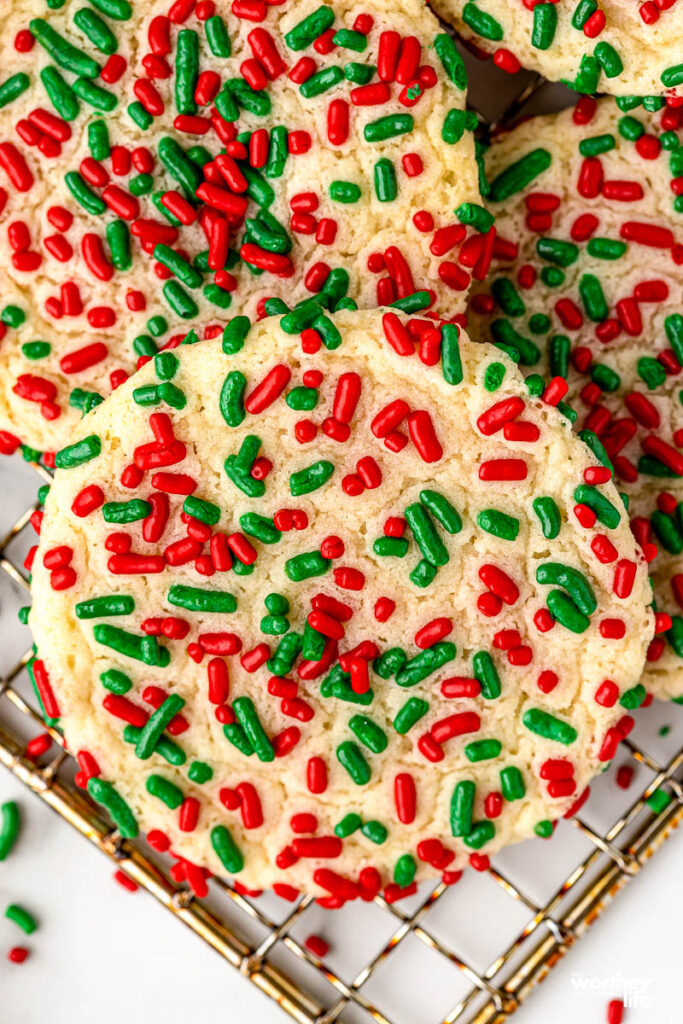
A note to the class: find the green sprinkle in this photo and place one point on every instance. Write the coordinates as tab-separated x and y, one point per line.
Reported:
606	248
482	23
21	917
563	254
454	126
62	52
462	807
609	60
194	599
423	664
549	516
507	297
152	731
142	648
199	772
303	566
13	87
217	36
607	513
651	372
385	181
261	527
83	194
179	301
100	607
543	724
442	510
564	611
234	334
115	681
388	127
164	790
411	712
498	523
593	298
226	848
349	824
597	144
483	750
353	761
359	74
247	716
95	95
9	827
486	673
481	833
520	349
126	511
321	81
369	733
61	95
572	580
633	698
78	453
494	376
659	800
478	216
404	870
545	26
118	238
344	192
427	539
451	362
169	258
187	70
512	783
108	797
519	174
304	481
390	547
118	10
375	831
423	574
452	62
672	76
306	31
97	30
584	9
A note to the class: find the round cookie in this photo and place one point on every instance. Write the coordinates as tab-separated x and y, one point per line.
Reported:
620	47
165	164
590	205
327	617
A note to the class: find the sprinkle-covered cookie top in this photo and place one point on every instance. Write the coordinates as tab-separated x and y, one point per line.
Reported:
615	46
589	204
165	164
336	603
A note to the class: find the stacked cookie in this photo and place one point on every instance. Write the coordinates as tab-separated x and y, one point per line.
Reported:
329	597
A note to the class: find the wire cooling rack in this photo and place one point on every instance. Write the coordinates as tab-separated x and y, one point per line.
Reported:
483	943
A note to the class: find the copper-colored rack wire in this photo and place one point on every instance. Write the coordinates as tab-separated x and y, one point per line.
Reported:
616	855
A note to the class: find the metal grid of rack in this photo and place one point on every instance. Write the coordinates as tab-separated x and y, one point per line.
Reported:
263	937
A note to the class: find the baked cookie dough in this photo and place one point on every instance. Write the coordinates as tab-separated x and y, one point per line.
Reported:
620	47
332	617
589	203
168	164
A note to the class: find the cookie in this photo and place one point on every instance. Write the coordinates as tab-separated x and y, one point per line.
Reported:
590	205
609	46
164	164
332	617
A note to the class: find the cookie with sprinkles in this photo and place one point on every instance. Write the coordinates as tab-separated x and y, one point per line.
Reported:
163	163
589	203
312	604
620	47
